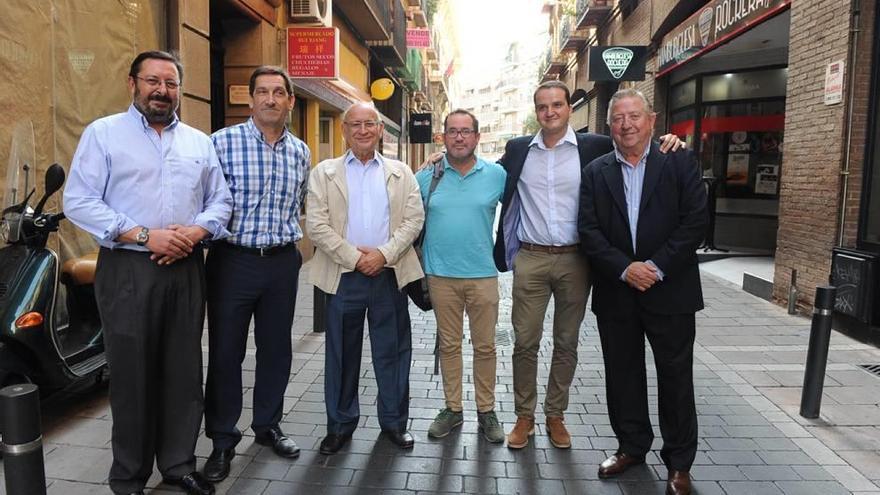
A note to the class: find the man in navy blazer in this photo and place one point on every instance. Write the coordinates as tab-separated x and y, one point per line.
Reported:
642	216
538	234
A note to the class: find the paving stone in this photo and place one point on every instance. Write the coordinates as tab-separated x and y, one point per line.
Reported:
750	488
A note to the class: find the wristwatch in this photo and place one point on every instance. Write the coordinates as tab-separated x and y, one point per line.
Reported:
143	237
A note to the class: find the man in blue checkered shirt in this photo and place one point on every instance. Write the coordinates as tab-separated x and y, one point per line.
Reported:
254	272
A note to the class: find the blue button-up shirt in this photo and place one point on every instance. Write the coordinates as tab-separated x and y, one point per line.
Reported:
369	214
124	174
633	183
268	184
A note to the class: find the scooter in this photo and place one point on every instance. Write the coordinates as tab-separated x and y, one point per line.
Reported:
50	328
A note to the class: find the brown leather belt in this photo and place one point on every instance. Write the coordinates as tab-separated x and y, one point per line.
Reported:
573	248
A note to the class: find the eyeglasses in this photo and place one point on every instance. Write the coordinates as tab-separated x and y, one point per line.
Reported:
465	133
155	82
368	125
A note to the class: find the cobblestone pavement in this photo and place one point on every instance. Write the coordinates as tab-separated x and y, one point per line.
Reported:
749	361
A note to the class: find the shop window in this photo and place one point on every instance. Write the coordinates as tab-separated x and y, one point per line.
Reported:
742	145
745	85
682	95
683	125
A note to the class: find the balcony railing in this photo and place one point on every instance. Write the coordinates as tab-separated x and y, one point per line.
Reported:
570	37
392	52
370	18
592	12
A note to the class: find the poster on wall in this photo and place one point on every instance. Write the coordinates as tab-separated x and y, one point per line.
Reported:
767	179
737	169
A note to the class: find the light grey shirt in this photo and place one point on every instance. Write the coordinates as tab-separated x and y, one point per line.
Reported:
368	210
549	189
633	183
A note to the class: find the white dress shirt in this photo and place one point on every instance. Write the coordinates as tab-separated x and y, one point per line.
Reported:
549	189
369	216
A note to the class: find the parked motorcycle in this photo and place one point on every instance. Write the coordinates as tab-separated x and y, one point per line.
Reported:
50	329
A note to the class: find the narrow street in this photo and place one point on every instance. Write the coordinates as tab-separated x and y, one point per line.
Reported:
749	361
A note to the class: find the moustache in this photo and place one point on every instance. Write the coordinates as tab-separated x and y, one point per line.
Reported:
160	97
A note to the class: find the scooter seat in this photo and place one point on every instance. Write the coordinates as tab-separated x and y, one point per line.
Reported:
80	271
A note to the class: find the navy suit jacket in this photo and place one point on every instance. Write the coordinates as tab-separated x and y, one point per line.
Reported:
590	147
672	222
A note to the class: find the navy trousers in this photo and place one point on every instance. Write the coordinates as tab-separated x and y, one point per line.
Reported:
378	301
241	286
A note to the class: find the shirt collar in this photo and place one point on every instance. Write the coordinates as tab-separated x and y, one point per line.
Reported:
622	161
480	163
136	114
569	137
351	160
252	127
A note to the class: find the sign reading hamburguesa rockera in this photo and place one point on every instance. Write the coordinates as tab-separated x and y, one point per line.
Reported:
718	21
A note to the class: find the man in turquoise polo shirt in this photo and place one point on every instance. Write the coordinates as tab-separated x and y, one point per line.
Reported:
461	272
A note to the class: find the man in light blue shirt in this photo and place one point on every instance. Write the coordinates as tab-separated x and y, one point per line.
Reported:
363	215
457	254
149	188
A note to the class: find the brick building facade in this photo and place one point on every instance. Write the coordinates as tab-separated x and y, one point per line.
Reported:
746	88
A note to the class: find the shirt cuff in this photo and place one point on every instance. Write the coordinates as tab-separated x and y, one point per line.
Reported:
215	228
120	225
660	274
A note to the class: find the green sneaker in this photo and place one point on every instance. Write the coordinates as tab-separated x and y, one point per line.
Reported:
490	427
445	422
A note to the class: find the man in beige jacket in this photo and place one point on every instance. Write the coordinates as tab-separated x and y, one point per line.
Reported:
364	212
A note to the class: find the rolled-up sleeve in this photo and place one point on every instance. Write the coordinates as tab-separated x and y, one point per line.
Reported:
84	201
217	199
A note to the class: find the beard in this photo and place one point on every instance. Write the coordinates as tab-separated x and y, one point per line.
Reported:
155	115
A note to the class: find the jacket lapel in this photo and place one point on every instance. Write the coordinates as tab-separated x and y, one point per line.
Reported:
614	179
336	174
653	171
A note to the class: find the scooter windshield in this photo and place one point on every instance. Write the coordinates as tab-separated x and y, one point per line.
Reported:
19	169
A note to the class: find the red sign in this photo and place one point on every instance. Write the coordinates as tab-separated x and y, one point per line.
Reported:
418	38
313	52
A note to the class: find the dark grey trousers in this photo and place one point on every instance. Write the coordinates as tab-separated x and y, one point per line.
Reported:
153	318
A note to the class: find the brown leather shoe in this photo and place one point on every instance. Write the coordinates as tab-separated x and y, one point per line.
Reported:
522	430
559	436
679	483
617	464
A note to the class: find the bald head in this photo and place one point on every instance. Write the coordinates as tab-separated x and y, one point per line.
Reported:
362	105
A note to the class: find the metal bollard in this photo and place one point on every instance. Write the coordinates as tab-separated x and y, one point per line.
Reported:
792	293
319	314
22	439
817	352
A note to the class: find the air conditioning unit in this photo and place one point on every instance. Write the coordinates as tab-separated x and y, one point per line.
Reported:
317	11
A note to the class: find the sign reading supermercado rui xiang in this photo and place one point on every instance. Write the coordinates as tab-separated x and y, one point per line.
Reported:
710	26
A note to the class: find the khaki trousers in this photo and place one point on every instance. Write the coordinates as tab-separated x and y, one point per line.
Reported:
452	297
537	276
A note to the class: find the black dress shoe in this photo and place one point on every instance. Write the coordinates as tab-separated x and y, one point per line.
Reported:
402	439
617	464
279	442
193	484
217	466
332	443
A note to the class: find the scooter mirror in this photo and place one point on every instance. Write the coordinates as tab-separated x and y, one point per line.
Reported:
54	180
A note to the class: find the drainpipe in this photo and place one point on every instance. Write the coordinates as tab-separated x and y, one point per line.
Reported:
855	12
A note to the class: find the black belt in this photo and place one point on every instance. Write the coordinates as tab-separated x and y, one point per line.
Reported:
263	251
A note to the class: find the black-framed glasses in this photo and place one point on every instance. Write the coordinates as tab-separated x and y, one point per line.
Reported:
155	82
465	133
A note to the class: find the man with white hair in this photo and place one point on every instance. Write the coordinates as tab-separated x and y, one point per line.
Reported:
642	215
364	212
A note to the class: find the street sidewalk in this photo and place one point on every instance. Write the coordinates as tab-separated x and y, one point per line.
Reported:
749	363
